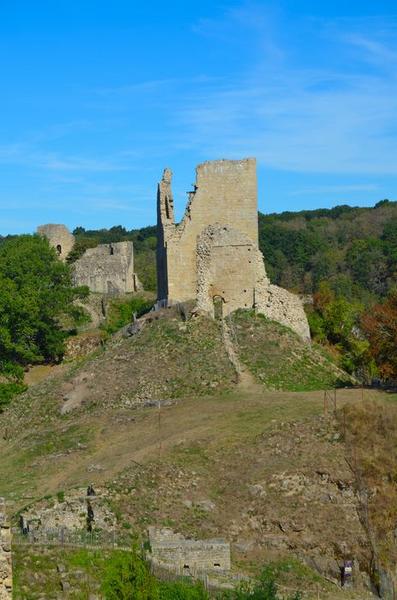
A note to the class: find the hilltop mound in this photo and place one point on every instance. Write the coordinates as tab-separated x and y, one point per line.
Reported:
172	357
167	359
279	359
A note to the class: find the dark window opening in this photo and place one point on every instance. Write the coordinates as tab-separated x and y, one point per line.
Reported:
167	208
217	564
59	249
186	567
111	250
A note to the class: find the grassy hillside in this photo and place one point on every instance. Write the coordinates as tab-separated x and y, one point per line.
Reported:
279	359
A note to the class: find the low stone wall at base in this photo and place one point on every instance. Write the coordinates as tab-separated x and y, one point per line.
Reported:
172	549
5	555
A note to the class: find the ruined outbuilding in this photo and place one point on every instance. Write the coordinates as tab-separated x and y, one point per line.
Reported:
213	254
106	269
173	550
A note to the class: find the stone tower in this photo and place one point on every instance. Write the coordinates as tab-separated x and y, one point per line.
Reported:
59	238
212	255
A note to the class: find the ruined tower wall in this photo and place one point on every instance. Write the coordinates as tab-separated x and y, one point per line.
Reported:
225	194
226	268
5	555
59	237
213	255
107	269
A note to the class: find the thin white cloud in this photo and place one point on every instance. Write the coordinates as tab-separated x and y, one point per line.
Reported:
28	155
320	119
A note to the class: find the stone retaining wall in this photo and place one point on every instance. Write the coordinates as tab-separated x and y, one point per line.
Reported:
5	554
173	550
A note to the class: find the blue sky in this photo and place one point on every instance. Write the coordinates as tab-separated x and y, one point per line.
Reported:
96	98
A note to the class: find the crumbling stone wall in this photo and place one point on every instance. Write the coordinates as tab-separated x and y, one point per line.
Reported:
107	269
213	254
5	555
59	238
174	551
224	193
221	253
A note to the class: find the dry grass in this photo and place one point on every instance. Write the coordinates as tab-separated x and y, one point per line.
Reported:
370	432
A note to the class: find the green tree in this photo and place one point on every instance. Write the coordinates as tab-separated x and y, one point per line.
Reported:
35	291
335	320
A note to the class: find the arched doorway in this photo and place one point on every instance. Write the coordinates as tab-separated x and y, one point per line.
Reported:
218	307
59	249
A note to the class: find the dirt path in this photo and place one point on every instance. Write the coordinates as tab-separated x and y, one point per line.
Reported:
245	379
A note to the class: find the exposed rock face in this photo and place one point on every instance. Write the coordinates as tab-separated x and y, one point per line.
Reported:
107	269
5	555
59	238
213	254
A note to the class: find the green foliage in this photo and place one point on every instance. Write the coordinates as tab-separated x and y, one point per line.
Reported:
8	391
35	291
354	249
335	320
121	312
264	588
127	576
80	246
182	590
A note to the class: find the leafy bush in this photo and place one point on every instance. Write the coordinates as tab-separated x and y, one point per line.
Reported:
264	588
181	590
127	576
121	312
8	391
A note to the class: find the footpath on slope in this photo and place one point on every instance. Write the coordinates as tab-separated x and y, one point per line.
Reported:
244	376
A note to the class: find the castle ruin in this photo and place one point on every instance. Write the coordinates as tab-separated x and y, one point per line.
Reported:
213	254
106	269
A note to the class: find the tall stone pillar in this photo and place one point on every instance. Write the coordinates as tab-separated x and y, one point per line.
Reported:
5	554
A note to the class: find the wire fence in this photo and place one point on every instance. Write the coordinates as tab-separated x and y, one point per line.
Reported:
73	538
